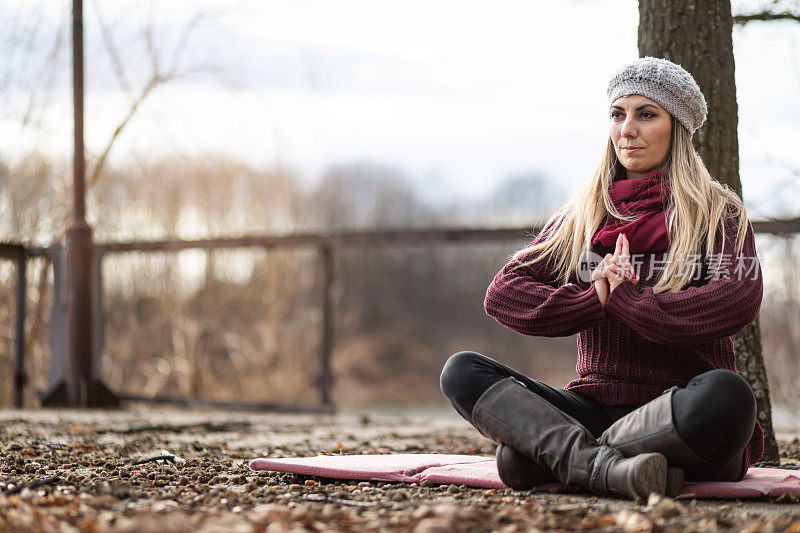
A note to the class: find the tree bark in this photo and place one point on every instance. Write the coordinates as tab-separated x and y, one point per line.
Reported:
697	34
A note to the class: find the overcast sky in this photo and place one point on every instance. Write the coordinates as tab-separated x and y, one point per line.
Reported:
460	94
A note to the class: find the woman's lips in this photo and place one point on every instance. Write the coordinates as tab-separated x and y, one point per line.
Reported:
631	149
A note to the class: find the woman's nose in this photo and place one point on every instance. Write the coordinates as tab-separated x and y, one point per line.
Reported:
628	128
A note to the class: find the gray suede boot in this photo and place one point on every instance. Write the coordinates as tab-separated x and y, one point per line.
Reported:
650	428
520	472
509	413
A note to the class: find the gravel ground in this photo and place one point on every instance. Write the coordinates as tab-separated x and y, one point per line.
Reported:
162	470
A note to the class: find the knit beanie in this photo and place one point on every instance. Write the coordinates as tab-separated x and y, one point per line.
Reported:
665	82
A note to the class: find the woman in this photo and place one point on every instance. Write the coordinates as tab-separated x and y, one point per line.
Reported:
657	399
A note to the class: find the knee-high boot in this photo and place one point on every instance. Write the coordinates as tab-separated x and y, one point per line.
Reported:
520	472
651	428
513	415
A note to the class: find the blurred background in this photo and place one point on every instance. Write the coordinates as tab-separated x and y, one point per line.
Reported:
220	118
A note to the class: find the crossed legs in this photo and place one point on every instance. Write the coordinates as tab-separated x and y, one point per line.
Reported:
714	414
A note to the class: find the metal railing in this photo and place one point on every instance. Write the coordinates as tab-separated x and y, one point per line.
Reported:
325	244
18	254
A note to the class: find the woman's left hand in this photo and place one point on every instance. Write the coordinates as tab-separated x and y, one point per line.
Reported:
622	259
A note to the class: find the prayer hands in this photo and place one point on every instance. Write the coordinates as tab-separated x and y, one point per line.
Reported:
613	270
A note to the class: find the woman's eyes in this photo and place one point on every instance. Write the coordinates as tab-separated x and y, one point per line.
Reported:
644	114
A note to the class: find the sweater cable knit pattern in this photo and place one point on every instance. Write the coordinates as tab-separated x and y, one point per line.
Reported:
642	343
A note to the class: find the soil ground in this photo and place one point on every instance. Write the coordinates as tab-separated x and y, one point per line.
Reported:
163	470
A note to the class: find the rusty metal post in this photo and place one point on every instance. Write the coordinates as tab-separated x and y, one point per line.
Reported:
19	331
325	378
79	375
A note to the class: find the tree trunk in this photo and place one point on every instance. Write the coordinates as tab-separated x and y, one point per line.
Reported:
697	34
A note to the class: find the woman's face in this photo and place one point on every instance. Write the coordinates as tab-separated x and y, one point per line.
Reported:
641	131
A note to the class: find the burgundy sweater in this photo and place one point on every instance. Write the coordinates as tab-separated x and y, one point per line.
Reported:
642	343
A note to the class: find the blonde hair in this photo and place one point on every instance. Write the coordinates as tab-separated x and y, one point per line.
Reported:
697	203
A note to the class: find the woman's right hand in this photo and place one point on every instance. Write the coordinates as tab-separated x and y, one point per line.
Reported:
622	259
602	289
601	281
607	270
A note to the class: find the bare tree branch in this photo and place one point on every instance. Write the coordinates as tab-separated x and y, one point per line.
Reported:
764	16
101	160
111	49
183	40
48	76
158	77
152	53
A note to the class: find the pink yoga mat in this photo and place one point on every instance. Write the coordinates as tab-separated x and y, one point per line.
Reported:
478	471
471	470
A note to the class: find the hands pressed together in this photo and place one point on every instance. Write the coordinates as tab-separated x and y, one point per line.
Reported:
613	270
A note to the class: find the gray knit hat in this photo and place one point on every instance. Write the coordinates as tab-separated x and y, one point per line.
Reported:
665	82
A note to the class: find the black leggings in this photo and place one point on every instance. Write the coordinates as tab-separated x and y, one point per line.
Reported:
714	414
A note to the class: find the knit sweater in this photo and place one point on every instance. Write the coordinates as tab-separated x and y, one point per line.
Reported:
643	342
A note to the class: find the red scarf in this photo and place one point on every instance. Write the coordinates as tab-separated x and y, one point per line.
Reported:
647	196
